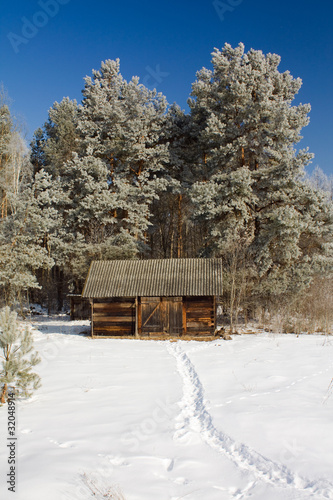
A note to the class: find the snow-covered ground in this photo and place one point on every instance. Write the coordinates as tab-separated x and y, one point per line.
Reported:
246	418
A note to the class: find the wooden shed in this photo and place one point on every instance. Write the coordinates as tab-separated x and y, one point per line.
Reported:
79	307
156	298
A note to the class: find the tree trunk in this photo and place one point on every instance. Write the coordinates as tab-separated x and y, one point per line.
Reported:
180	227
4	394
60	291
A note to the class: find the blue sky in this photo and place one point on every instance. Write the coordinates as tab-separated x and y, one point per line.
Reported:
45	57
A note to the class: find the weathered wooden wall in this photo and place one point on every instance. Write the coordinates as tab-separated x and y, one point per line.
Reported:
170	316
79	307
200	316
113	317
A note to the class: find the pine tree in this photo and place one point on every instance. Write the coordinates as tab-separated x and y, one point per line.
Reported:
52	147
55	143
320	181
46	214
91	228
23	248
6	126
62	135
14	165
21	252
121	124
17	356
37	150
173	233
252	187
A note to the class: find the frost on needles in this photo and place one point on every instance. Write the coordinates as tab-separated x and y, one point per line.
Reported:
17	357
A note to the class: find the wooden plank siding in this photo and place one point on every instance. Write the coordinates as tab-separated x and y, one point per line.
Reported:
156	316
113	317
200	315
79	307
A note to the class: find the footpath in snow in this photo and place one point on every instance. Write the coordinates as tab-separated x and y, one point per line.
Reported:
195	417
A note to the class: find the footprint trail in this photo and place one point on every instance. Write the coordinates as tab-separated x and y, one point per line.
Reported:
194	417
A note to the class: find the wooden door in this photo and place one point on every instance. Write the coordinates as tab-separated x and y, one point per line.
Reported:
161	315
151	315
174	315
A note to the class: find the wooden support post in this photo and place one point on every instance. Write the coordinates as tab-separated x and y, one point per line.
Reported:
184	317
71	305
92	317
180	227
215	326
139	318
136	317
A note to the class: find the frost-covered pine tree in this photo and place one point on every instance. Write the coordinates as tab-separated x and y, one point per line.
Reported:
320	181
21	252
55	143
14	163
251	188
5	138
37	153
62	135
21	255
121	123
46	218
90	224
17	357
173	233
52	147
23	247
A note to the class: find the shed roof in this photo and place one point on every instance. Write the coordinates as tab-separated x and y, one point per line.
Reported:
154	278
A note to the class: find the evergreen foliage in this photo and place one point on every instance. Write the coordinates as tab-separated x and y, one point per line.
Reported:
252	190
322	182
17	357
121	124
21	252
173	233
54	144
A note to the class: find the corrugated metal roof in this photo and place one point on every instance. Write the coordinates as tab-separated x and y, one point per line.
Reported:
154	278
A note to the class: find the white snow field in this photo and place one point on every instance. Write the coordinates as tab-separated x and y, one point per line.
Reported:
250	418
